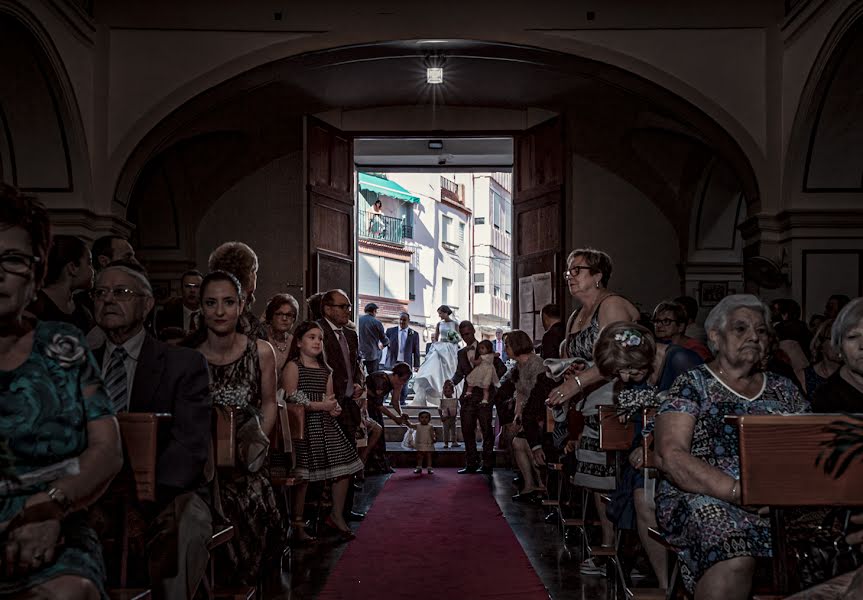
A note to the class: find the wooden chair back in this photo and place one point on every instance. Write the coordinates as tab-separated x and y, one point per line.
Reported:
614	435
647	416
140	435
778	455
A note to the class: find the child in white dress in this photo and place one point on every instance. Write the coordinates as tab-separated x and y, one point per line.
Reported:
483	374
424	439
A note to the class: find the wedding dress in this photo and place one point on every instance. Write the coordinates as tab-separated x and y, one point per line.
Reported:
439	365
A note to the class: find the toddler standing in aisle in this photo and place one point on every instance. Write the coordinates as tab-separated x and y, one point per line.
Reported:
424	439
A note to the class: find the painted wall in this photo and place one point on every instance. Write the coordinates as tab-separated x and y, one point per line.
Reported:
266	211
607	213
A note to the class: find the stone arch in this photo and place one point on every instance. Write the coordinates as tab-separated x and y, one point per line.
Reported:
743	151
829	118
43	147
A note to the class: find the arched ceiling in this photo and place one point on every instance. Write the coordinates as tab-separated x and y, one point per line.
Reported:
614	118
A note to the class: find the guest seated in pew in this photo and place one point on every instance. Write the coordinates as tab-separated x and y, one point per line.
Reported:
825	360
645	371
697	502
531	390
145	375
843	391
59	441
243	378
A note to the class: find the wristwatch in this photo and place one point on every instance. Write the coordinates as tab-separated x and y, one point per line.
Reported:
59	497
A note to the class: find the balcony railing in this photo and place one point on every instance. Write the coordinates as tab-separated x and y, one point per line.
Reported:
449	190
381	228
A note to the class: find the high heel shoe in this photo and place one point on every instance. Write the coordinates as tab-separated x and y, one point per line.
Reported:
346	535
295	540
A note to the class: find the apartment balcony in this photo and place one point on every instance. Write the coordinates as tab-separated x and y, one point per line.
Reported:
381	228
491	306
452	193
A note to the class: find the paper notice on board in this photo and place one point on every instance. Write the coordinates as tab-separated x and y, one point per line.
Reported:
542	291
526	323
538	329
525	295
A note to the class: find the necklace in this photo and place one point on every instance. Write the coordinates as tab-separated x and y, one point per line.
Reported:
584	314
283	347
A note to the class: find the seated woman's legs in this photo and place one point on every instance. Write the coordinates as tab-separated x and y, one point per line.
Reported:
606	525
727	580
645	513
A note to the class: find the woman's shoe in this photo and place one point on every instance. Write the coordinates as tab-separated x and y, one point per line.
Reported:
345	535
300	541
418	470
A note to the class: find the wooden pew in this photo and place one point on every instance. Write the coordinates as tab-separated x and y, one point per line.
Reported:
778	455
614	435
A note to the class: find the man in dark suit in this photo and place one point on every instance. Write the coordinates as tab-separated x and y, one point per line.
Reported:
554	331
372	338
499	345
471	409
143	374
403	346
341	346
182	312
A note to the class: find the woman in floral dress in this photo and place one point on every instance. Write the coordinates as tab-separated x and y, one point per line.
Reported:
698	501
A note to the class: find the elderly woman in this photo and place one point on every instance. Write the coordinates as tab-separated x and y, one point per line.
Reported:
531	389
843	391
669	323
645	370
587	274
59	441
698	501
279	319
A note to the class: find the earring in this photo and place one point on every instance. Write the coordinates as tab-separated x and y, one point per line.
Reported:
597	285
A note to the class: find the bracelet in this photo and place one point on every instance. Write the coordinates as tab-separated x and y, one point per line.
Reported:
578	383
734	491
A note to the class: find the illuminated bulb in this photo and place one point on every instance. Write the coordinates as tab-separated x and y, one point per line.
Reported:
434	75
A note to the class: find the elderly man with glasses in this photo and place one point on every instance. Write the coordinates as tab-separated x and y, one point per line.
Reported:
143	374
341	345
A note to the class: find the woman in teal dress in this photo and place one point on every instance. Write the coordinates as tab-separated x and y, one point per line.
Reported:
59	442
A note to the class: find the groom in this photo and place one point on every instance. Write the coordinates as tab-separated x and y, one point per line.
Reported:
471	409
403	346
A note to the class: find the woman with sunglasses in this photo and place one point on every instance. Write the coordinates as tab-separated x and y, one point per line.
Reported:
587	274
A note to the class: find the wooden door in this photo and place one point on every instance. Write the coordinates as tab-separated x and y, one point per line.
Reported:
329	174
538	214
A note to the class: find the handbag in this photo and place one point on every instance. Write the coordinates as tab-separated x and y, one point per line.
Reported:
820	551
252	444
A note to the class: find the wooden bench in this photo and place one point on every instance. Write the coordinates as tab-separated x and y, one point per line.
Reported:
778	455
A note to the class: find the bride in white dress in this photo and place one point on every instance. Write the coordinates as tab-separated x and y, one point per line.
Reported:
440	362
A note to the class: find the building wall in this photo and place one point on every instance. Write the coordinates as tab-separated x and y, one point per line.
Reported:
265	211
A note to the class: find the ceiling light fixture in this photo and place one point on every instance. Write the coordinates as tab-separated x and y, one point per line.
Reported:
434	75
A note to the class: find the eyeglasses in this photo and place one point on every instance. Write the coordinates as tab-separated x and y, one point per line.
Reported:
191	286
346	307
575	271
18	264
665	322
632	372
283	315
120	293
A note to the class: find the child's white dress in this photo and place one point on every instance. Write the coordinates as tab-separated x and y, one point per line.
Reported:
484	374
423	438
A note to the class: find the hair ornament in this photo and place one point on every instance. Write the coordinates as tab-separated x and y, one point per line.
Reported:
628	338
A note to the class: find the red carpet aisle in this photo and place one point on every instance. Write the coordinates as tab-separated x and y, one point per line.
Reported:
434	537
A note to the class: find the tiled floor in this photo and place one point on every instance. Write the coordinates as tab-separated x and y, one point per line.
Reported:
541	542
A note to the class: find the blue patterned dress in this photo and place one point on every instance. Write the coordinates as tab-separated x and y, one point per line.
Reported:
706	530
43	420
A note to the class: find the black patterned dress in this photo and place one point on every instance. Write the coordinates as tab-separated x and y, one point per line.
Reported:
246	500
592	468
325	452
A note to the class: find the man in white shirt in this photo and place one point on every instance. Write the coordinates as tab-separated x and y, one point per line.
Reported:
403	346
499	346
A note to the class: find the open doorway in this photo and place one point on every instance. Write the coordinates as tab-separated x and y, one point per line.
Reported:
434	227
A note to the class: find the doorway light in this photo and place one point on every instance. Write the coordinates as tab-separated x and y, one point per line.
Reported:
434	75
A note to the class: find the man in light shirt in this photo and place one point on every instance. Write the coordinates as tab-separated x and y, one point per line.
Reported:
403	346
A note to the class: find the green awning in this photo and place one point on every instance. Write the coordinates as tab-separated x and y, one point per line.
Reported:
386	187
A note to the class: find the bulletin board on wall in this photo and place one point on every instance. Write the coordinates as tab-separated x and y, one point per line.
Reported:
534	292
828	272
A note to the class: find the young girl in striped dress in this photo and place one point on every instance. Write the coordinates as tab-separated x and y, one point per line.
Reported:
325	453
